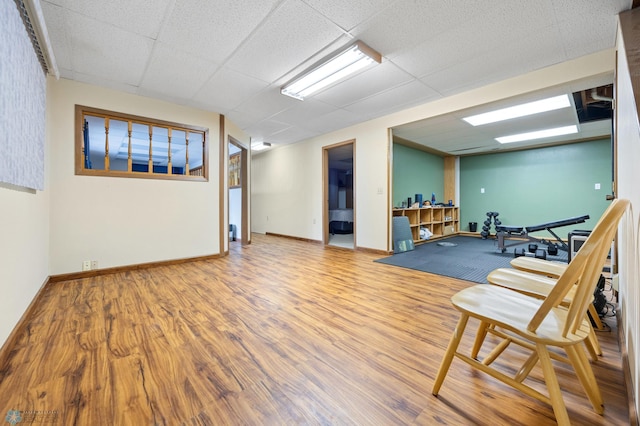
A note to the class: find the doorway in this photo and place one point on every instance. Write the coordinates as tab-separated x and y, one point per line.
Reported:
339	208
237	194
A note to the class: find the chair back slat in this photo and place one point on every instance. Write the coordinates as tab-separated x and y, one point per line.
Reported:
583	271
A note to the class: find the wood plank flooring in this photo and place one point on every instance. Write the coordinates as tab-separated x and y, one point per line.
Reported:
281	332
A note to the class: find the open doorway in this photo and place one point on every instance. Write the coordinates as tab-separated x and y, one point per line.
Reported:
238	194
339	209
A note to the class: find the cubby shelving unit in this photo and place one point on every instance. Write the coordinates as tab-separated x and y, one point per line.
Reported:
441	221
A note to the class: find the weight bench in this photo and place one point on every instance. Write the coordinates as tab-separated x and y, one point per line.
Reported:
504	232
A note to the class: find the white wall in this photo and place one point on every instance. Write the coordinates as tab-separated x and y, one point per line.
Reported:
287	181
123	221
235	210
628	156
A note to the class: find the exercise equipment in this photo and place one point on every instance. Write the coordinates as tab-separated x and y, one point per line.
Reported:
486	229
537	253
504	232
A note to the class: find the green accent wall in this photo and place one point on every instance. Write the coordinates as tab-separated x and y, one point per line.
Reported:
416	172
537	186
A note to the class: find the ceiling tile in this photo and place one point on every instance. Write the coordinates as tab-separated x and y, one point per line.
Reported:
227	89
266	128
267	103
293	134
93	55
174	72
300	112
336	119
405	96
57	31
410	22
213	29
124	14
349	14
284	41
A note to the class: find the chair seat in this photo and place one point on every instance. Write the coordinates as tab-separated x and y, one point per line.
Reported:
513	311
540	266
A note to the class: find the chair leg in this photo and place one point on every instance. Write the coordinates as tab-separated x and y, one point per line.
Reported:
595	316
555	395
458	332
587	379
480	336
593	339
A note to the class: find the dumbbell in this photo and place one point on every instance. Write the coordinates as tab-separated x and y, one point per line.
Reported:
484	234
487	222
533	248
539	254
552	249
497	222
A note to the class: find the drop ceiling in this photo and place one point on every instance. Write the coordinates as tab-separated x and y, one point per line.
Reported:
232	56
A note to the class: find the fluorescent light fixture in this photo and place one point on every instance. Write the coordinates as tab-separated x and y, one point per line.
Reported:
547	133
260	146
340	65
543	105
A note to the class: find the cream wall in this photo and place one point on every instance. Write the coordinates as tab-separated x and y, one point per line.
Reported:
120	221
287	180
24	251
628	158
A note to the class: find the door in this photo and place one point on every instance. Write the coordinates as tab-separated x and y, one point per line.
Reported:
339	195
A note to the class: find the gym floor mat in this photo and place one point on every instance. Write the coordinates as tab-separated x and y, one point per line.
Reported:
470	259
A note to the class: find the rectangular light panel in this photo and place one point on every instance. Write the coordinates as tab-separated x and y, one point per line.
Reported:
530	108
343	64
547	133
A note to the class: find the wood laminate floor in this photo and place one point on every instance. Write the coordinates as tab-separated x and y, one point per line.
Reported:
280	332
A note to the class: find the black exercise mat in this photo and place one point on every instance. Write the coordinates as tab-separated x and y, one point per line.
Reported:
470	259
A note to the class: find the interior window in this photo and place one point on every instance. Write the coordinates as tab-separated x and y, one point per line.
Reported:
115	144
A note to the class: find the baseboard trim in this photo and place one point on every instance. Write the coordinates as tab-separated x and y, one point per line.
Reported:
626	370
12	340
308	240
117	269
373	251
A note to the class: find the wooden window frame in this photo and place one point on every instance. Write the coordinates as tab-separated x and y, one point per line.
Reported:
81	111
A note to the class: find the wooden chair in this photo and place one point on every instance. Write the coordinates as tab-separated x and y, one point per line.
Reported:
528	277
538	324
552	270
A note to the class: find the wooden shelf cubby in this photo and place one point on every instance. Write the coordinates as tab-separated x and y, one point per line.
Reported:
441	221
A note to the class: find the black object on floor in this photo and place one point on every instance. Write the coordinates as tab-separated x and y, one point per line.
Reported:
470	259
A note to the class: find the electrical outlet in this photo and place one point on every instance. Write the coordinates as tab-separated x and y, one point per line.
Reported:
94	264
482	190
86	265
